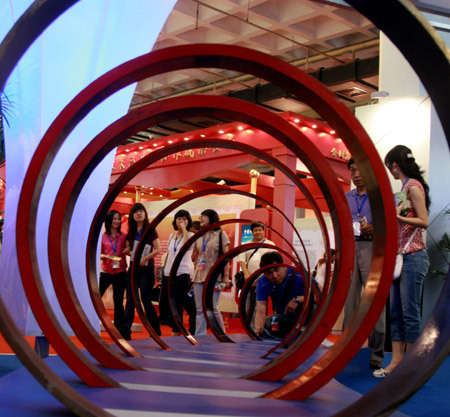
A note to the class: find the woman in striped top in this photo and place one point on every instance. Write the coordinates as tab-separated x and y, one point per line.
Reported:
406	291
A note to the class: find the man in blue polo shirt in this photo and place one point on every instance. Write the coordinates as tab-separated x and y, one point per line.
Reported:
363	232
285	288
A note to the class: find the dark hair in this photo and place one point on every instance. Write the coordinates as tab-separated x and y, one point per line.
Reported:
132	225
108	220
405	160
196	225
254	225
270	258
350	162
212	216
182	213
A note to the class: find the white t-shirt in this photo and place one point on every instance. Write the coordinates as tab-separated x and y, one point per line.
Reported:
253	263
186	266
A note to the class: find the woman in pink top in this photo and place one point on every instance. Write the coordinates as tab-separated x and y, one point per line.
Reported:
406	291
114	264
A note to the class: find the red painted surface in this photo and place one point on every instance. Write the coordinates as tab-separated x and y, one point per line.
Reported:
320	99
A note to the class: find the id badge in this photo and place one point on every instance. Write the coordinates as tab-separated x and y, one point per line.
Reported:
362	220
201	264
115	264
356	229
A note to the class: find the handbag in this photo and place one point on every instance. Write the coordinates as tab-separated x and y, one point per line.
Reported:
399	259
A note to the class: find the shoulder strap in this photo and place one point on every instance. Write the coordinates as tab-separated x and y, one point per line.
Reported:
250	257
409	240
220	243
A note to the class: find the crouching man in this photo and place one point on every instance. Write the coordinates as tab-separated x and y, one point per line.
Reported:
286	290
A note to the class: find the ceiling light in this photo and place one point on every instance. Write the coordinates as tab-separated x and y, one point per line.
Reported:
379	94
203	136
332	132
186	138
304	128
240	128
160	195
127	150
141	147
151	188
155	145
170	141
297	120
314	126
124	192
221	132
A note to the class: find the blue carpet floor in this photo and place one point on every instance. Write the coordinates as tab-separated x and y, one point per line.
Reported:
433	397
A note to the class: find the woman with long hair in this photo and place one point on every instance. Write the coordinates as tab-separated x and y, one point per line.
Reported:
137	223
406	291
182	224
114	264
206	252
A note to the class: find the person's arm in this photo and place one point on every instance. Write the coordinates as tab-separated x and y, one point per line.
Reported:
418	202
260	317
244	268
293	304
156	249
127	250
226	279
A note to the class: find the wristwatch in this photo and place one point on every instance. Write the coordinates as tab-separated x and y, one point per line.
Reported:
297	300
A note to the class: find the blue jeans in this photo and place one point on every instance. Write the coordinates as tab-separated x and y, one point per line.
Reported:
406	296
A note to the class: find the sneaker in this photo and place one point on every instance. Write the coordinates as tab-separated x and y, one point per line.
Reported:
381	373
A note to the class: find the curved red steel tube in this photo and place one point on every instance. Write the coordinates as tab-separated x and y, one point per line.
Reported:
281	74
80	166
380	14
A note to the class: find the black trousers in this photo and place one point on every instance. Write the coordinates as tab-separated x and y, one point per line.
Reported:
182	300
118	282
145	281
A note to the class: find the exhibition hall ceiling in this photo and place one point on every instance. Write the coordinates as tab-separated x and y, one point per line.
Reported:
328	39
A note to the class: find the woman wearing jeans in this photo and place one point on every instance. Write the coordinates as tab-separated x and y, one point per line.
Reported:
207	250
406	291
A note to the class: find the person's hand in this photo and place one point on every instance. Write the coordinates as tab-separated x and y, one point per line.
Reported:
399	209
258	332
228	284
126	251
367	229
181	224
291	307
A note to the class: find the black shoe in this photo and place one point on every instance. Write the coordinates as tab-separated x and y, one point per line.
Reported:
375	364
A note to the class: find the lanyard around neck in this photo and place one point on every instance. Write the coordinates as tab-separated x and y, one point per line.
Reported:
114	248
138	235
175	245
205	242
359	209
403	185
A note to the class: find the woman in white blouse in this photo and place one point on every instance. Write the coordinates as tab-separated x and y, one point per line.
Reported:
182	223
206	252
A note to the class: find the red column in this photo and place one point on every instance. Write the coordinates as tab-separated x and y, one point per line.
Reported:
284	196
